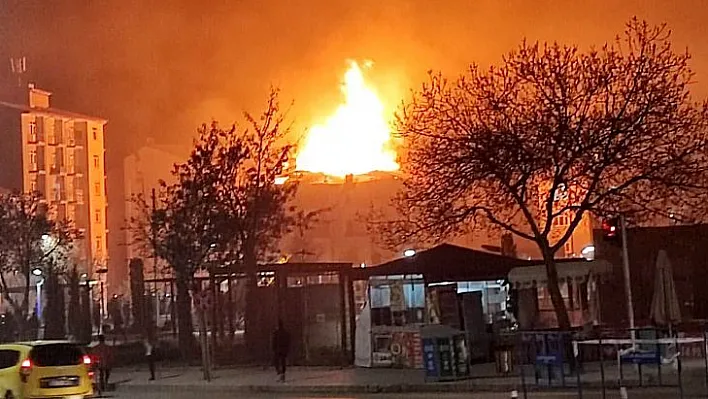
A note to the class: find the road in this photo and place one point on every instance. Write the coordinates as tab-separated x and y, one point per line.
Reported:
643	394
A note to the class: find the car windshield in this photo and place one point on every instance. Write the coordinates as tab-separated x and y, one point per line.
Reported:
56	355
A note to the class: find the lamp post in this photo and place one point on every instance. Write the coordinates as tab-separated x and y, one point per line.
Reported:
102	312
37	272
627	279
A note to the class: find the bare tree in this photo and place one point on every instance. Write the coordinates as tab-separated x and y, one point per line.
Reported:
225	209
185	227
258	206
554	132
29	240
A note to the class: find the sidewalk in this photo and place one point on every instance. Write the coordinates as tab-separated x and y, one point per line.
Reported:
310	380
320	380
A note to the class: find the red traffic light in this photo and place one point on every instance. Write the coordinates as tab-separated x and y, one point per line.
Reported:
610	227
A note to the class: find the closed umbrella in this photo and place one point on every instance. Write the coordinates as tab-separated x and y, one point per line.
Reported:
665	309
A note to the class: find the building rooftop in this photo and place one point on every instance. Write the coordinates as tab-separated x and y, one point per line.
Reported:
52	112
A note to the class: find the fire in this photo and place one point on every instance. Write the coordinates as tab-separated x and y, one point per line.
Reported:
356	139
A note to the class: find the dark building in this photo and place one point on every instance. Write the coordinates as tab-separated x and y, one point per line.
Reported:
687	248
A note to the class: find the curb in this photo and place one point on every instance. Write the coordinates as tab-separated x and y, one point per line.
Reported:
364	389
332	389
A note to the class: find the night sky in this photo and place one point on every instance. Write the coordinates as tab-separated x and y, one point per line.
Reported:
158	68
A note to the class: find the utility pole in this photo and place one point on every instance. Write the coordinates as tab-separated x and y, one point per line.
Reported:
153	321
627	278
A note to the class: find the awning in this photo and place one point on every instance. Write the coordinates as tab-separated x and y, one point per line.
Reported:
579	271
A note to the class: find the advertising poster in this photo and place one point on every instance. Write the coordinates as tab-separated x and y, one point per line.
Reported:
398	302
406	349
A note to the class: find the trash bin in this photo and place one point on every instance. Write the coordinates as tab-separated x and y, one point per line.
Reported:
504	359
444	353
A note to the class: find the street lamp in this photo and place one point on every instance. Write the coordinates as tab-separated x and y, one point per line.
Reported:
408	253
588	252
37	272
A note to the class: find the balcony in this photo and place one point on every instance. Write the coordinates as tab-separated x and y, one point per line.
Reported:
58	195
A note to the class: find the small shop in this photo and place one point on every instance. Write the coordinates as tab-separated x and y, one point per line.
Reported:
457	288
579	285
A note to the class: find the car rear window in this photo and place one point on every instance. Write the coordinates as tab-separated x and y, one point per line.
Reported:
8	358
56	355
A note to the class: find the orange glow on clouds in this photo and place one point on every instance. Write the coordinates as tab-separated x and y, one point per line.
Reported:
356	138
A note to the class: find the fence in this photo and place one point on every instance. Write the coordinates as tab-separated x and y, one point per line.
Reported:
604	360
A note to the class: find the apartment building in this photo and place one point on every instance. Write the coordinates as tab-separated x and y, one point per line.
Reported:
61	155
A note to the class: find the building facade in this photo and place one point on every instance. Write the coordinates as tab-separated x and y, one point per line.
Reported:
142	172
61	156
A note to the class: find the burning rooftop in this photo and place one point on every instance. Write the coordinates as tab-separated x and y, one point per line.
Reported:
356	138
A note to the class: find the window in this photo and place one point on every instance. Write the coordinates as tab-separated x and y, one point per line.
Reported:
97	188
544	298
53	355
71	213
96	162
33	185
33	132
70	162
33	159
568	248
98	216
8	358
95	134
397	302
99	244
55	159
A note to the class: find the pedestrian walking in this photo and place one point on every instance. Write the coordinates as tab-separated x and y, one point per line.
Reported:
104	358
150	357
281	346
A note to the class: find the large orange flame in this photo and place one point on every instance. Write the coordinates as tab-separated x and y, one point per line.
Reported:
356	139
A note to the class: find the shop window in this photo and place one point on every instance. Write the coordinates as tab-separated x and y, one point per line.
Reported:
266	279
397	303
572	295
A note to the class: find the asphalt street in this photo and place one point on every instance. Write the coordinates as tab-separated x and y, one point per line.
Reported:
643	394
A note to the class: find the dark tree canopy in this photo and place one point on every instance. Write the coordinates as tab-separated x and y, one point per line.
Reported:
225	209
29	239
554	131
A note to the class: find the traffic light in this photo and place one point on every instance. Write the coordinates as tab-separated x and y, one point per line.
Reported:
611	229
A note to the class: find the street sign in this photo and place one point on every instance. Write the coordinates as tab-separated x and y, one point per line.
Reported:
641	357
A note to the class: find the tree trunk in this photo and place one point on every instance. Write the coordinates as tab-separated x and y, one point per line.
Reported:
74	304
184	315
54	312
554	290
251	312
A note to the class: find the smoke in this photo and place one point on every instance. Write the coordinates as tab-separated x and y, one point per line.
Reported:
158	68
